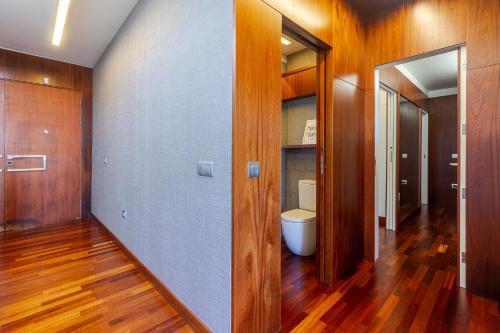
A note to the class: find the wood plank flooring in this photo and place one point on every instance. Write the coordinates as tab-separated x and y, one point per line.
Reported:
74	278
410	289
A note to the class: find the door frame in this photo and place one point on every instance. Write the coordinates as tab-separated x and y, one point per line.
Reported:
461	141
324	102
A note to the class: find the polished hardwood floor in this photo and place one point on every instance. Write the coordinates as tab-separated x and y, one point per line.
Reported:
411	288
74	278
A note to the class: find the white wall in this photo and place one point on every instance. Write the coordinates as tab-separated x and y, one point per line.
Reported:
162	102
382	153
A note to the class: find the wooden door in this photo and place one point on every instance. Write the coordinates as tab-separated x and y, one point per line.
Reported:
2	157
43	158
409	159
256	201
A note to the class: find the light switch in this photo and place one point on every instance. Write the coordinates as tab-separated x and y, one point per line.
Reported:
206	168
253	169
404	155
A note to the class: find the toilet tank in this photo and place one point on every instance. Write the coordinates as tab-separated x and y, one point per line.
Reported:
307	195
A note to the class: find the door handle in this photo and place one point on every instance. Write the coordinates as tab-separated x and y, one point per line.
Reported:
454	164
454	186
11	158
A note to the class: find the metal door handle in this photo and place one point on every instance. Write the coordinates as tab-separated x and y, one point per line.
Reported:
10	162
454	186
453	164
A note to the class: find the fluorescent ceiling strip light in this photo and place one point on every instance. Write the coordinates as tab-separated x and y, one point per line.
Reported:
62	13
285	41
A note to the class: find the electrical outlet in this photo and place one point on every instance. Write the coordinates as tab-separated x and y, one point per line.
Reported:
124	214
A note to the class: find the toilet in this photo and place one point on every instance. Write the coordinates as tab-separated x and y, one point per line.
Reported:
298	226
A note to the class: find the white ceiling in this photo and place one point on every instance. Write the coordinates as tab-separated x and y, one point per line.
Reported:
433	73
294	47
27	26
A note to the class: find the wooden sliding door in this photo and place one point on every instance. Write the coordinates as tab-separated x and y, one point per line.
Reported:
42	155
256	252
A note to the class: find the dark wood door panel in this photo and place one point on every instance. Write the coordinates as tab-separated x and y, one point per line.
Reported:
483	181
443	115
409	167
2	152
42	123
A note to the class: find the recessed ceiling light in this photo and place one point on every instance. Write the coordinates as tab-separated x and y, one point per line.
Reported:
285	41
62	13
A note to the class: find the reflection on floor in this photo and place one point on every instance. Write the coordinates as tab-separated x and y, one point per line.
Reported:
75	278
20	225
410	289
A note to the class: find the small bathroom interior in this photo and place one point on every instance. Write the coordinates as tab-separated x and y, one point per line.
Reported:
298	163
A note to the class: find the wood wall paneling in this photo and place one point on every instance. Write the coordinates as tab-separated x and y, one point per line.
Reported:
349	44
2	153
315	16
347	229
475	23
483	33
32	69
442	144
256	201
483	181
392	78
299	84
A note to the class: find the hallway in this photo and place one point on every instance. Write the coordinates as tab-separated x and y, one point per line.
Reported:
410	289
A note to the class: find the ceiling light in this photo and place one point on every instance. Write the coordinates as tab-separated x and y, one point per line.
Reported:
62	12
285	41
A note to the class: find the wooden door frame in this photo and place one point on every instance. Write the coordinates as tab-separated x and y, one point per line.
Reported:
84	141
324	102
461	147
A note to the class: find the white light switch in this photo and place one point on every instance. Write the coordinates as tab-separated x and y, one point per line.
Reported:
206	168
404	155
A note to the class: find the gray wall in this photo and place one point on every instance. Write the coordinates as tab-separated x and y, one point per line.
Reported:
163	101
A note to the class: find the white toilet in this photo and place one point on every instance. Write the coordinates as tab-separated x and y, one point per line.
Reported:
298	226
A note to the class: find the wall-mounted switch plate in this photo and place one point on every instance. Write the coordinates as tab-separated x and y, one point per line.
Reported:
205	168
253	169
46	80
404	155
454	156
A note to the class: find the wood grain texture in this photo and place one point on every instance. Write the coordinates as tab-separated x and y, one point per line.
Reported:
256	201
299	84
483	181
315	16
31	69
409	168
410	289
74	277
347	227
443	118
349	44
483	33
42	120
2	155
369	176
392	78
455	22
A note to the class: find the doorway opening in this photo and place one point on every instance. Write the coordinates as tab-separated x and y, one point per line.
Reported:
420	155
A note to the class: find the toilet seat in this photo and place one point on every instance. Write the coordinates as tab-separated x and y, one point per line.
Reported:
298	216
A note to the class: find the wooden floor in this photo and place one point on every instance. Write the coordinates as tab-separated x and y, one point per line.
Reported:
74	278
410	289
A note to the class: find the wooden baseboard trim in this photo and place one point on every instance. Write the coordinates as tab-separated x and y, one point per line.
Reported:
172	299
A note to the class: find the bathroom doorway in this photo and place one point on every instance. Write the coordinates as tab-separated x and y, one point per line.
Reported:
420	155
299	174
